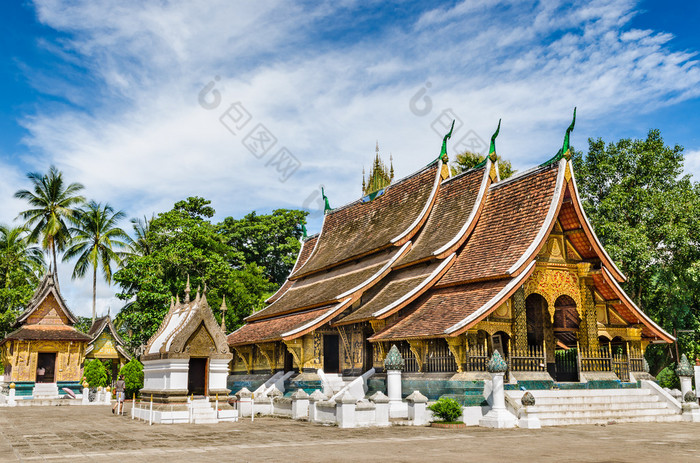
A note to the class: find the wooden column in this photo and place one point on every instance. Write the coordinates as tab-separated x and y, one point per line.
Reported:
519	321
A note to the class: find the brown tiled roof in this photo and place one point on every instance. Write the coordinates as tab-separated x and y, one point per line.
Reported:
441	309
271	329
360	228
514	212
391	292
307	247
46	287
454	203
47	333
310	292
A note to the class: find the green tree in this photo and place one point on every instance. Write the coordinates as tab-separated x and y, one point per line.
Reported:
95	243
647	215
21	266
469	159
270	241
133	377
184	242
52	203
95	373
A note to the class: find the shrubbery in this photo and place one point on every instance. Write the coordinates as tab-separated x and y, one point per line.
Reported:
133	377
668	378
95	374
446	409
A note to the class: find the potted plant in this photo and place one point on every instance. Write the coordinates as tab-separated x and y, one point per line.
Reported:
448	411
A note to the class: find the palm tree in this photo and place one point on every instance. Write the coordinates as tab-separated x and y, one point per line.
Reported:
17	254
52	203
96	237
140	246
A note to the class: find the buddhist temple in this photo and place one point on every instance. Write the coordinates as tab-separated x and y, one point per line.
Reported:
188	355
450	269
106	344
45	352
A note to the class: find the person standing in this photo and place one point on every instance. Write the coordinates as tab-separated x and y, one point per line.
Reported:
119	388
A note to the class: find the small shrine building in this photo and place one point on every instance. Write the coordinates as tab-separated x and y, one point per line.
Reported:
106	344
451	268
45	348
188	355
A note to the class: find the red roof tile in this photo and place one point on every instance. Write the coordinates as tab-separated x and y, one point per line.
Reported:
271	329
514	213
323	289
454	204
47	333
361	228
441	309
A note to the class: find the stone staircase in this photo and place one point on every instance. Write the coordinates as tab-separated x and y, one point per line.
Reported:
337	381
598	406
203	412
45	391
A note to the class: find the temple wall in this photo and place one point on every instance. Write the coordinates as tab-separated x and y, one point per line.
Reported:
21	357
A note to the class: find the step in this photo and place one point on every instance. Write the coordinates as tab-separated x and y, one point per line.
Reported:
587	407
616	419
604	413
594	400
587	392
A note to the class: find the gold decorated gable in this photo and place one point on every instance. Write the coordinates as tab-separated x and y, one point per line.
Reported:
200	343
552	283
104	347
48	313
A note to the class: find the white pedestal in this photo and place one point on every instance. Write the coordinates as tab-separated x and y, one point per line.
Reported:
498	416
686	386
528	419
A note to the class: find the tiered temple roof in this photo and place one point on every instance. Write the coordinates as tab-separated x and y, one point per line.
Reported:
47	317
432	256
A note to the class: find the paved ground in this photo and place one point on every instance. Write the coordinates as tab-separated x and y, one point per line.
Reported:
82	434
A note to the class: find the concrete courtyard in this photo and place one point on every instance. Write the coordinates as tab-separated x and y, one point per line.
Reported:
82	434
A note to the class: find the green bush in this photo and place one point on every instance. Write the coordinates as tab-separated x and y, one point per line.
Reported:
95	374
668	378
133	377
446	409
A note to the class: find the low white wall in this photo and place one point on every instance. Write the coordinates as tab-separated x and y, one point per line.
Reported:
325	412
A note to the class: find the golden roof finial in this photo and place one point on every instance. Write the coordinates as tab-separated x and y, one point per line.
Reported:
187	289
223	313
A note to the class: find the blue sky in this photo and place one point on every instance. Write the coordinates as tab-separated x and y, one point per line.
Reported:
109	92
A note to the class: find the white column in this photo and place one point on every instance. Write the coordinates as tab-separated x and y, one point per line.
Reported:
345	410
300	404
11	401
314	398
393	385
416	408
245	402
498	416
381	408
86	396
686	386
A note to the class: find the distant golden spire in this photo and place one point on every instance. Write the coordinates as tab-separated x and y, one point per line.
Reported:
380	176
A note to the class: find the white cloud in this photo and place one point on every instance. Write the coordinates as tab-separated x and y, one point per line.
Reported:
692	163
145	142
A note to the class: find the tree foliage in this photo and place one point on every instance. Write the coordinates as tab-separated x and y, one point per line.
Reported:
182	243
469	159
133	377
95	373
269	241
647	215
21	265
52	203
95	242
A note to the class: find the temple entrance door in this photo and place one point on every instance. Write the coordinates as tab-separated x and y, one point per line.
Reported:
331	353
45	367
197	376
566	325
288	361
369	355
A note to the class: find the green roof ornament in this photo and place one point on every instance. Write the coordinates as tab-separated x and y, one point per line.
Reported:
303	231
325	199
565	150
492	148
443	151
